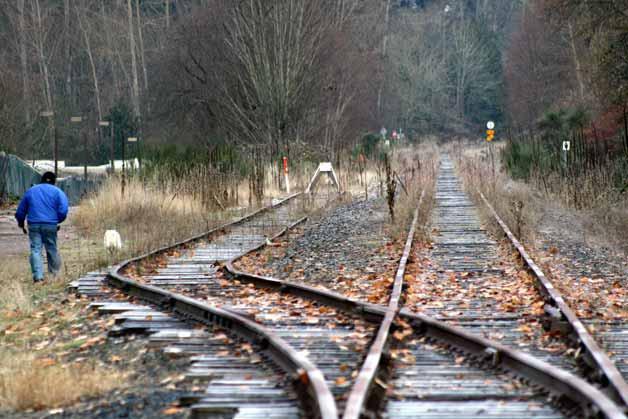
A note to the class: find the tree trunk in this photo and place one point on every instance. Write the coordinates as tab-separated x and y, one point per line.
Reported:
625	128
42	58
23	62
135	90
141	41
43	65
90	55
384	44
167	4
576	60
110	48
67	50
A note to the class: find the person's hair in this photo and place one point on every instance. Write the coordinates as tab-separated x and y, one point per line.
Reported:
49	177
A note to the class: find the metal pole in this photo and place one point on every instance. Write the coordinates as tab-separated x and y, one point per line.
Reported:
85	156
99	135
123	163
113	149
139	156
53	132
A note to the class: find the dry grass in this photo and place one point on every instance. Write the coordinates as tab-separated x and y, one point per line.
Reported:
417	167
78	254
147	216
30	383
18	291
521	204
516	203
594	196
15	282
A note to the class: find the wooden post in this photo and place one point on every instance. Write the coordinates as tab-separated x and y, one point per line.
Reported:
85	156
625	129
123	163
55	146
113	148
167	14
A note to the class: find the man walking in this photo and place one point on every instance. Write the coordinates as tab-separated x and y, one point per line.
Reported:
44	206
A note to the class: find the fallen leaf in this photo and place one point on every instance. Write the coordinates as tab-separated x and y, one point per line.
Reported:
45	362
341	381
172	410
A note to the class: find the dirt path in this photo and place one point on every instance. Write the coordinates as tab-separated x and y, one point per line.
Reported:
13	242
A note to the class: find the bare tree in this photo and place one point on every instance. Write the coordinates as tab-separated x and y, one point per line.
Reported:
135	89
23	62
88	48
470	62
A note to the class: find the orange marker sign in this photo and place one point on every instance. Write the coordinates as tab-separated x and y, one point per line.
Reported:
490	132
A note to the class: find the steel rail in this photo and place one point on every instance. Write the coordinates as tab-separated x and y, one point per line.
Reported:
308	379
562	384
363	386
565	386
595	357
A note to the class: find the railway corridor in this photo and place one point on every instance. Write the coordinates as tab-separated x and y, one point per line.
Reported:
476	285
274	348
461	276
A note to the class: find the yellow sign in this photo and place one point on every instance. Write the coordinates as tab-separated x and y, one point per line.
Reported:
490	134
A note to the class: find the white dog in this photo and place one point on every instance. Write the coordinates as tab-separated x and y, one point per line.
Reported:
113	241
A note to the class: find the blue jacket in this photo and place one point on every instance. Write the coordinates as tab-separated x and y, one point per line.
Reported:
44	204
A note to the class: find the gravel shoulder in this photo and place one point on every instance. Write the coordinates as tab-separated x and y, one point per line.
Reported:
592	277
350	250
13	242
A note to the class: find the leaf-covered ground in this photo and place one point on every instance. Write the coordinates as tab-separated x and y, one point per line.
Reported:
64	335
593	278
350	251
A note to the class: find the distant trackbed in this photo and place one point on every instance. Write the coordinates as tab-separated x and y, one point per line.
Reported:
286	347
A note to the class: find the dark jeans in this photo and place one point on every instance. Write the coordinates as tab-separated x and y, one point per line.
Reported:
43	235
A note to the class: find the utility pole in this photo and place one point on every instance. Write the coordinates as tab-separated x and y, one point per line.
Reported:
113	142
384	44
123	164
78	120
53	133
84	155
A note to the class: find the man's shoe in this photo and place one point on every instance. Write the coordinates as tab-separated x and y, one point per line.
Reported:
38	281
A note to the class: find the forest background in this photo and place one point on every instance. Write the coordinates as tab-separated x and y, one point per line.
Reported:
220	81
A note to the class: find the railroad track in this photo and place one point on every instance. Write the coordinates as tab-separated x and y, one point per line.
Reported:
465	266
549	391
293	347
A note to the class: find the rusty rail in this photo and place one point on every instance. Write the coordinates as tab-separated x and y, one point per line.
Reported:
594	355
308	379
363	386
561	384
